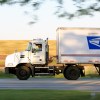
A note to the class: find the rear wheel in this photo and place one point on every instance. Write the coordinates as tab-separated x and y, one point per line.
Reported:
71	72
23	73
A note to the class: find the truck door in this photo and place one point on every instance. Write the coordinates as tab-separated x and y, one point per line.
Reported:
38	54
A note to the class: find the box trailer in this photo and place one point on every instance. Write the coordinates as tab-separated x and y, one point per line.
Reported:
78	45
75	46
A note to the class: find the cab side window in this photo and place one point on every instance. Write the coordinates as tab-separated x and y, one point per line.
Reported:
39	47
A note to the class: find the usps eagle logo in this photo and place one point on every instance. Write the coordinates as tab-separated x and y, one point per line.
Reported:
93	42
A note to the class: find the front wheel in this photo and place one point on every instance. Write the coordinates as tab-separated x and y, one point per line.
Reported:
71	72
23	73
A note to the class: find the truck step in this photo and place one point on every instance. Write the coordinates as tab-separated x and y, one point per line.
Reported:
42	73
41	67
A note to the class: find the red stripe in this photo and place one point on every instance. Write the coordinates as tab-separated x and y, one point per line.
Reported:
88	55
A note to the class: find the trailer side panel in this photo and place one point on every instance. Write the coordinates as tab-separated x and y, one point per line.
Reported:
78	45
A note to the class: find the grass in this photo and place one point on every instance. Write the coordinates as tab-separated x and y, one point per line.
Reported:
92	76
3	75
2	62
9	46
48	95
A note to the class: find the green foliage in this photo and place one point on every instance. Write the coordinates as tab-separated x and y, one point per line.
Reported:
3	1
3	75
48	95
83	7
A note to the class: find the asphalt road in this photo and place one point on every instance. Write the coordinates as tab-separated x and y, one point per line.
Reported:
51	83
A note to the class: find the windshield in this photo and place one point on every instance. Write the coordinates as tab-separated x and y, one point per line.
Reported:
29	47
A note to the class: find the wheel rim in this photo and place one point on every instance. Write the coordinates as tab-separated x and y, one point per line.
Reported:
23	73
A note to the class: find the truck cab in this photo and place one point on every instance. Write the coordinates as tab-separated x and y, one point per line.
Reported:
33	61
38	51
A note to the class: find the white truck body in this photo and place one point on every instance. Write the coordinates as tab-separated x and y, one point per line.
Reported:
78	45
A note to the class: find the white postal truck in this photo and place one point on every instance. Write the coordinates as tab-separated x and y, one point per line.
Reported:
75	46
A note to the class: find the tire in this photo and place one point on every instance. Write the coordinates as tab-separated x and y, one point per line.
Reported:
71	73
23	73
